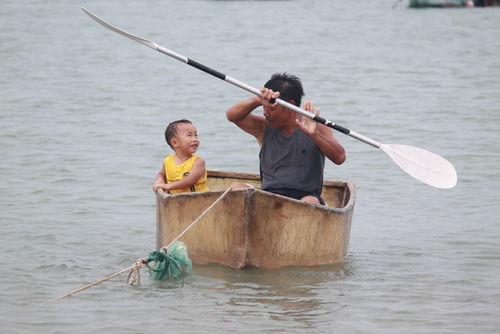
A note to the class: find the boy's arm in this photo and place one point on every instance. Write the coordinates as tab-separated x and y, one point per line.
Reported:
196	172
160	179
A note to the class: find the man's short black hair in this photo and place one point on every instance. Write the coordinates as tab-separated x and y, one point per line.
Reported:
289	86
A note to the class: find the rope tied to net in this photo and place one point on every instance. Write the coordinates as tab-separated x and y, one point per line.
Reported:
134	277
163	259
138	263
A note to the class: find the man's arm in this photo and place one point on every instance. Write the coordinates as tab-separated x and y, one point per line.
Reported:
327	143
322	136
241	115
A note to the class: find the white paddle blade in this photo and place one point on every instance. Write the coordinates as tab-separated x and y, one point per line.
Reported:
423	165
105	24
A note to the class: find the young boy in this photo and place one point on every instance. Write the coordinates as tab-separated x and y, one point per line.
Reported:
182	171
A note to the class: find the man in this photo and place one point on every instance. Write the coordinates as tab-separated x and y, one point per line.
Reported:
293	149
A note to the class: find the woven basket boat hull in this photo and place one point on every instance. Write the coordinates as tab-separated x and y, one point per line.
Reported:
254	228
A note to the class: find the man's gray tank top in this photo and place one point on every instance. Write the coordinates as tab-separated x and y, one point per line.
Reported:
291	162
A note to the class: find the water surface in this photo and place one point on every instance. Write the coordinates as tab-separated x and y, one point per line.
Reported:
82	116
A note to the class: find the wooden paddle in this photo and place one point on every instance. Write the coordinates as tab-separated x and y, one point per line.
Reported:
423	165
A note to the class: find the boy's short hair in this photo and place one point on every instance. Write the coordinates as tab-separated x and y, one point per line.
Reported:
171	130
289	86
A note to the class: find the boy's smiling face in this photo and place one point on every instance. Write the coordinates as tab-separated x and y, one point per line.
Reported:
186	140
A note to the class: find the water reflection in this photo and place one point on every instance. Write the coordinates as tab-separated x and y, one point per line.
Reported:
294	294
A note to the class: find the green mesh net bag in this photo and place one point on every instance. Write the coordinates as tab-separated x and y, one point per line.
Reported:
173	264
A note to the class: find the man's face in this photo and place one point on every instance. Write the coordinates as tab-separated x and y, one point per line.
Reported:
276	116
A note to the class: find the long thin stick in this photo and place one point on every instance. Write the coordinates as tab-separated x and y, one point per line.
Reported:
423	165
135	265
141	261
229	79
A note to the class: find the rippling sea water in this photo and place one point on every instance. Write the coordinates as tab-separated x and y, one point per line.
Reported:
82	116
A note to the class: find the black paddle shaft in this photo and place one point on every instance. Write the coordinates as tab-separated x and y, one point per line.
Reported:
222	76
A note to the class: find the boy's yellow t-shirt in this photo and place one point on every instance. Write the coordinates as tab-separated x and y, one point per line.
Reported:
175	172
